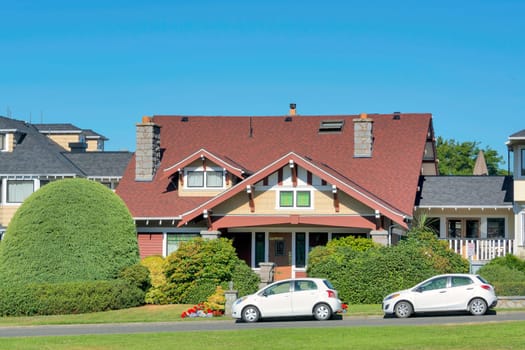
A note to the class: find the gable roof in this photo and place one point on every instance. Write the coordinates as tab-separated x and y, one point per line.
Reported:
37	155
391	174
348	187
202	153
465	191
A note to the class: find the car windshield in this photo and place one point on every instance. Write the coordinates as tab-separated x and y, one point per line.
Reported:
328	284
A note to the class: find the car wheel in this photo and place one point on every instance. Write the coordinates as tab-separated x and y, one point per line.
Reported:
250	314
322	312
477	307
403	309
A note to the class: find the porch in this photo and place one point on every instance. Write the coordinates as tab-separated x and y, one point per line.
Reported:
481	250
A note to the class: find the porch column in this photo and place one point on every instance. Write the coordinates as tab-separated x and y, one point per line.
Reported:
210	234
379	236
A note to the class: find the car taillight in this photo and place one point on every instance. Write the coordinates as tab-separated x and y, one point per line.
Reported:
486	286
331	293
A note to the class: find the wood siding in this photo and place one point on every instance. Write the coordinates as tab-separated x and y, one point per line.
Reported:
150	244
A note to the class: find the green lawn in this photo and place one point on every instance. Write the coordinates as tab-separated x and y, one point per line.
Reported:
487	336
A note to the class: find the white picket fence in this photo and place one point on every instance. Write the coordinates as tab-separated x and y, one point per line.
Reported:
482	249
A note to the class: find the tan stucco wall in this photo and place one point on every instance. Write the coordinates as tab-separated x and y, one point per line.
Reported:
65	139
6	213
519	190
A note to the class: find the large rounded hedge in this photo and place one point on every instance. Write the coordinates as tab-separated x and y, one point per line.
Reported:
69	230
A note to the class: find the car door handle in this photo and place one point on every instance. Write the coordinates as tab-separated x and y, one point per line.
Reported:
470	288
443	291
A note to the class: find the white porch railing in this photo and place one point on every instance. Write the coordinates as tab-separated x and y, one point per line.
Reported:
482	249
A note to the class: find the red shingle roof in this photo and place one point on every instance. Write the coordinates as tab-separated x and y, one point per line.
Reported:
391	174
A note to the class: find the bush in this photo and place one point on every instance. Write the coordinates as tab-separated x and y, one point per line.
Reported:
69	230
506	274
368	275
199	266
137	275
155	265
67	298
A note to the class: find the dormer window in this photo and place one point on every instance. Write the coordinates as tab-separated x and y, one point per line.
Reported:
202	179
3	141
523	162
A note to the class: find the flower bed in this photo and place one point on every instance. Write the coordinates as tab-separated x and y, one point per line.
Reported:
201	311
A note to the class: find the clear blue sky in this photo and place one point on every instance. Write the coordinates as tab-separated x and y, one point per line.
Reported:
104	64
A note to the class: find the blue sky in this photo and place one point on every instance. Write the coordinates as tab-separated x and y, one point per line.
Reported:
104	64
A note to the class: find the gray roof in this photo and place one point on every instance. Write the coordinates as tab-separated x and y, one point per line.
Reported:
101	164
57	128
465	191
518	135
36	154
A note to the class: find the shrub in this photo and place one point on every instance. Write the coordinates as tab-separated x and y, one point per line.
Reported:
199	266
69	230
506	274
137	275
68	297
368	275
155	265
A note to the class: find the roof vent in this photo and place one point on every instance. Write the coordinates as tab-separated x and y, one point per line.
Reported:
184	119
331	126
288	119
396	116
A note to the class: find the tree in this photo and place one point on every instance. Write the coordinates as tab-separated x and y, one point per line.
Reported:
69	230
457	158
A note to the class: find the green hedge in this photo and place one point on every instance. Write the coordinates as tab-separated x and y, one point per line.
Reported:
367	274
68	297
506	274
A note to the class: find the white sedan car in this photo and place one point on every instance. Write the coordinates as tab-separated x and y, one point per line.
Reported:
450	292
293	297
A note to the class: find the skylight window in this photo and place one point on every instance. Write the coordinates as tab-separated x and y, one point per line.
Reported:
331	126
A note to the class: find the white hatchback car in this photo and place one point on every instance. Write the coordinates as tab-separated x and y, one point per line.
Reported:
293	297
450	292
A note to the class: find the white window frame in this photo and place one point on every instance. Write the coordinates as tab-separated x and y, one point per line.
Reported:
294	206
204	180
15	180
3	143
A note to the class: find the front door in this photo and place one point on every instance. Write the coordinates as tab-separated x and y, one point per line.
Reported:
280	253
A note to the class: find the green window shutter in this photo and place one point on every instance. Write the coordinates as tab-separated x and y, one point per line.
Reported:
303	198
286	199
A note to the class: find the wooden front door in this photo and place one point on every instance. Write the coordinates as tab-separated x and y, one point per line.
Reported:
280	253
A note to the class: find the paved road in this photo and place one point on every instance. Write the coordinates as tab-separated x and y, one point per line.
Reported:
204	325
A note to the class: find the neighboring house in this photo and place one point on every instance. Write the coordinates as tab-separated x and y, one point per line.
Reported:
475	214
277	186
29	159
73	138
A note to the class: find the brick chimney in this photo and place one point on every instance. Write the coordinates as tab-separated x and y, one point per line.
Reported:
147	155
293	110
363	136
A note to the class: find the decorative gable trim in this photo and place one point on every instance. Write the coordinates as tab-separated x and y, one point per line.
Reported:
204	154
351	189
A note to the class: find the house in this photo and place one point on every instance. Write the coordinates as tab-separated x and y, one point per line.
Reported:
31	156
276	185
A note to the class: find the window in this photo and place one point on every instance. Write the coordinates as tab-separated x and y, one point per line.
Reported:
463	228
175	239
304	286
205	179
2	142
279	288
295	199
19	190
437	283
259	248
331	126
300	248
458	281
523	162
496	228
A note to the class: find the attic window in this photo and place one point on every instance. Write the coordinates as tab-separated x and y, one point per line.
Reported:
331	126
3	146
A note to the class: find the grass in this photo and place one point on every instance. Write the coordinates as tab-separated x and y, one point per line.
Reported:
507	335
152	313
